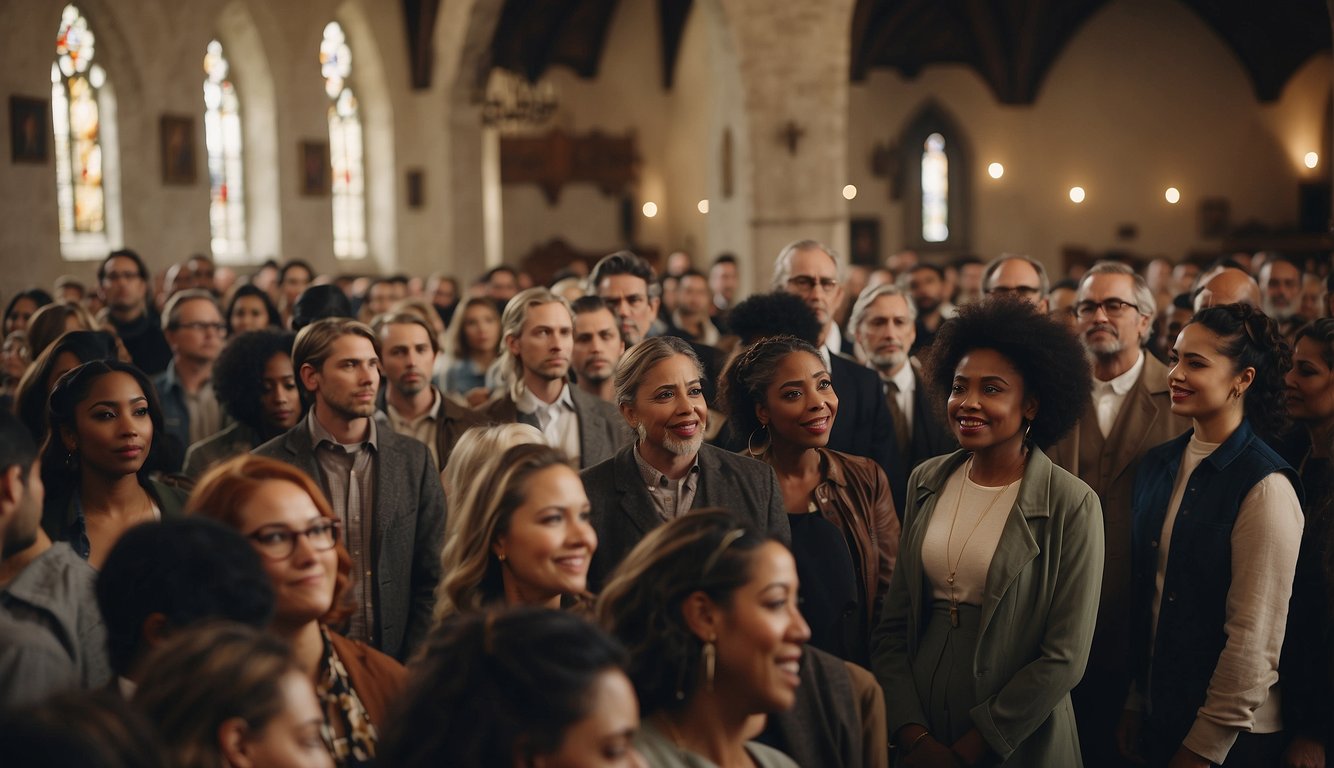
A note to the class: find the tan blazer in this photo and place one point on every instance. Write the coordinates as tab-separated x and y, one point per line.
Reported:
1145	420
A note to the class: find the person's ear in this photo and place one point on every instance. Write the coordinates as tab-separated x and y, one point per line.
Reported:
701	615
233	738
154	631
1244	380
1031	407
12	489
512	344
309	377
628	413
762	414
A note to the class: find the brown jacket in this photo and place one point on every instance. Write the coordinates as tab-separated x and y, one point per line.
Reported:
855	497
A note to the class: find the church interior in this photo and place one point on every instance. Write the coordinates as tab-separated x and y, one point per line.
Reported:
420	136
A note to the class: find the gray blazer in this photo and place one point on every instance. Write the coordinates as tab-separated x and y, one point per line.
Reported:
408	524
623	511
602	431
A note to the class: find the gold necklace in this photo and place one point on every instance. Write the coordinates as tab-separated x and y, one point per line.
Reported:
954	569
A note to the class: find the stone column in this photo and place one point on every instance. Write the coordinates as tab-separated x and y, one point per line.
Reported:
793	60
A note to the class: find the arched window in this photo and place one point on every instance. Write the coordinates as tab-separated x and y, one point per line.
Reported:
935	163
345	146
222	137
76	117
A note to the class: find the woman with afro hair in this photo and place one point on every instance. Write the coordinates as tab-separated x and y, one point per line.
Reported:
990	613
1217	527
255	384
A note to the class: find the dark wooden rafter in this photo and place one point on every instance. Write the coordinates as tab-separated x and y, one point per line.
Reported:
419	17
1012	44
672	17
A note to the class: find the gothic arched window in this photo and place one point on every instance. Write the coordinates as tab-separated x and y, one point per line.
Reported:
222	137
935	163
76	119
345	146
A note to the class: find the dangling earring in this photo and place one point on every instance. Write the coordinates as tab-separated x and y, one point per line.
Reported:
750	442
72	460
710	657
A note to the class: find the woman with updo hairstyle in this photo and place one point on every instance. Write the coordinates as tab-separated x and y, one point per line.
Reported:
1216	533
254	381
520	688
1304	670
104	428
990	615
845	535
229	696
520	535
707	608
284	515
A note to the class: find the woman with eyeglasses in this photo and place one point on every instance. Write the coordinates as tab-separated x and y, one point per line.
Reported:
296	533
1216	534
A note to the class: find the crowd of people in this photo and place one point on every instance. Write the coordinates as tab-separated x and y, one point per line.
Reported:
623	518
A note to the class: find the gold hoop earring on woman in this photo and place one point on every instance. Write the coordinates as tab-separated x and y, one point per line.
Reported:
750	442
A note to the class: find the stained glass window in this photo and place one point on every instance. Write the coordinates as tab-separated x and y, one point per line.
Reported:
935	190
222	135
76	120
345	146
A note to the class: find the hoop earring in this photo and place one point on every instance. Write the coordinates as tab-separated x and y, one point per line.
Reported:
709	654
750	442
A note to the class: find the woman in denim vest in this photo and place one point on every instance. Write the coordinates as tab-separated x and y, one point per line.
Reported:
1217	526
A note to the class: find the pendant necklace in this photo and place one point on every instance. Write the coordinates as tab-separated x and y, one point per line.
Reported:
954	569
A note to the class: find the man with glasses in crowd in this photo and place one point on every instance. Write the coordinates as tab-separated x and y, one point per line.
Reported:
1018	276
1129	412
122	279
193	327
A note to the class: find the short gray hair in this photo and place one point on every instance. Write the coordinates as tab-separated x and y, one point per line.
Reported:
636	363
1044	284
869	297
783	264
171	313
1148	304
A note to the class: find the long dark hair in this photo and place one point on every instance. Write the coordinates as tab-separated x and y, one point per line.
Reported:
275	320
30	402
60	473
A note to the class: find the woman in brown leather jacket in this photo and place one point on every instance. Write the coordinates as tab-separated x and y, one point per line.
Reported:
845	535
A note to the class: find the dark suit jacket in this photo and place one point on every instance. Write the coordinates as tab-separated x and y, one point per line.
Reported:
602	431
623	511
930	435
863	426
408	525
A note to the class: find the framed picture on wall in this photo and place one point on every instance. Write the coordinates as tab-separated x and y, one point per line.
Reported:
315	168
416	188
178	149
864	241
28	129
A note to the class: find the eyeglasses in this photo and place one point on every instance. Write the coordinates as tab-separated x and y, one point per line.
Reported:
1024	291
220	328
1113	307
806	283
278	542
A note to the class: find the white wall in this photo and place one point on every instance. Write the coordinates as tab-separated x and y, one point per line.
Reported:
1144	97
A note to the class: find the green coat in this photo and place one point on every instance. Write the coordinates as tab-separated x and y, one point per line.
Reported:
1038	612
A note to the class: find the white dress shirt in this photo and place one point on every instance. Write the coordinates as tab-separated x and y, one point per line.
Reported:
1109	396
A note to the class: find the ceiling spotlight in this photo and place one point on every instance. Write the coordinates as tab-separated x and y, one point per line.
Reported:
849	192
650	209
996	170
703	206
1173	195
1312	159
1076	194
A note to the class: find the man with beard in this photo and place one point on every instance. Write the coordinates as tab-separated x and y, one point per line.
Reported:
1281	280
1129	412
926	284
884	322
410	405
384	487
597	347
537	332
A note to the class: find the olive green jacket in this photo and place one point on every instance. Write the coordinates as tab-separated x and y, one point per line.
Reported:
1039	608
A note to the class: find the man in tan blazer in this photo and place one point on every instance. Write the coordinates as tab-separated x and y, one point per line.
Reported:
1129	412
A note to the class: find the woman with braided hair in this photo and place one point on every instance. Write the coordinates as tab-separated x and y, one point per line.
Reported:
1216	532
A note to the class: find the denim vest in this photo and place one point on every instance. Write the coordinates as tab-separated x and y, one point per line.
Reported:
1193	609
